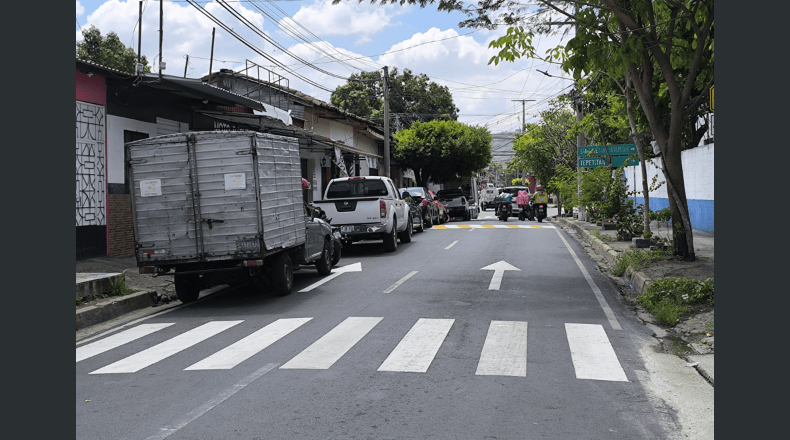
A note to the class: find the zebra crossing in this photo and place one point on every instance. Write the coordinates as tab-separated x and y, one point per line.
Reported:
504	351
503	226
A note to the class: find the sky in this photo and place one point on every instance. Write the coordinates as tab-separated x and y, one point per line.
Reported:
340	40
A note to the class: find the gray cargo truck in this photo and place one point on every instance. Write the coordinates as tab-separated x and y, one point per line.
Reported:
216	208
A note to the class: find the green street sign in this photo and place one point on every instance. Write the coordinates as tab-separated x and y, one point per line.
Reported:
600	151
595	162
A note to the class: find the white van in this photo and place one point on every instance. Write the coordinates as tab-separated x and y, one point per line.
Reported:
487	196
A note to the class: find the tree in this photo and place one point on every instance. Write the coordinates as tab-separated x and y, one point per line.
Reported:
108	51
667	47
412	98
443	151
548	144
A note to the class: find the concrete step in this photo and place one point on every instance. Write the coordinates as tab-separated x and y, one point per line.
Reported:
92	284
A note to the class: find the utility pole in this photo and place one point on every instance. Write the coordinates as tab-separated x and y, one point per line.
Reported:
139	68
185	66
161	14
385	86
211	61
523	114
577	104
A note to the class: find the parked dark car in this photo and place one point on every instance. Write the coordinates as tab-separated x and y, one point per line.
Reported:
429	210
417	220
455	202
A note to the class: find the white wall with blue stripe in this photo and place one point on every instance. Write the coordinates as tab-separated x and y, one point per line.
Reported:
698	173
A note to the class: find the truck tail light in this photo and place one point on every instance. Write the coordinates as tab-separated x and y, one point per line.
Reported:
252	263
383	208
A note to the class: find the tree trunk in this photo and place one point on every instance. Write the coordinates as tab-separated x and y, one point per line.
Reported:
640	149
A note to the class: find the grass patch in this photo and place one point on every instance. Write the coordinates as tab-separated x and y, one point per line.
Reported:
117	288
636	258
603	237
670	298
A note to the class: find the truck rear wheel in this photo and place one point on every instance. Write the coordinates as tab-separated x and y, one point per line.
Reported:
324	263
282	275
187	287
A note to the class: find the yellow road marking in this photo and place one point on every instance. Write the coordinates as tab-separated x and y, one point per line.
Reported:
465	226
489	226
514	226
440	227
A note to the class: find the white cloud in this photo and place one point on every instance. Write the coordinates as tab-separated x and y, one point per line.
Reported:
80	9
346	18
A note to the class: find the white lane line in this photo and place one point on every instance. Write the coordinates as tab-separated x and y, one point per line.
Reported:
209	405
452	244
145	358
114	341
244	349
598	295
416	350
324	352
592	354
505	350
400	281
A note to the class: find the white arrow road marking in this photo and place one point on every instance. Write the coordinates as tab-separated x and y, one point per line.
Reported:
356	267
452	244
400	281
592	353
499	269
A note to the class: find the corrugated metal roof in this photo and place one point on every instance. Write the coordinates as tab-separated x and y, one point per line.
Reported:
276	126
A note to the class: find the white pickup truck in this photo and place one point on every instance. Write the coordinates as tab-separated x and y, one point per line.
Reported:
367	208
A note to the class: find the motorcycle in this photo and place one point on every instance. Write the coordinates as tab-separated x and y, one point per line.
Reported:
505	210
526	212
540	211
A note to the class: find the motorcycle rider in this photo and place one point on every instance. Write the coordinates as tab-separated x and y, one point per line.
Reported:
525	211
540	197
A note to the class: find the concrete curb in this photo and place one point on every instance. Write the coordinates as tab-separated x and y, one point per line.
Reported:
114	307
638	280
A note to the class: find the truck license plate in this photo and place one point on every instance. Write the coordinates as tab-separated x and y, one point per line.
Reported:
346	229
248	245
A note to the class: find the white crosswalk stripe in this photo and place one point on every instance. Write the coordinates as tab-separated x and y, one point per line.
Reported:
145	358
416	350
333	345
244	349
505	350
502	226
592	353
115	341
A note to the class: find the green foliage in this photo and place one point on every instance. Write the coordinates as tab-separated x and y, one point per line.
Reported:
413	97
637	258
108	51
443	151
564	183
118	287
669	298
79	299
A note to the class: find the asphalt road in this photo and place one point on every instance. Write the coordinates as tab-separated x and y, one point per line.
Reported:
421	343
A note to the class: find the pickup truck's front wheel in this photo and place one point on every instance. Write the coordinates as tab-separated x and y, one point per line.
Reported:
391	240
282	275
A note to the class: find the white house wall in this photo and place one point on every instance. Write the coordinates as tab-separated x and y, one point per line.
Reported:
698	175
115	128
